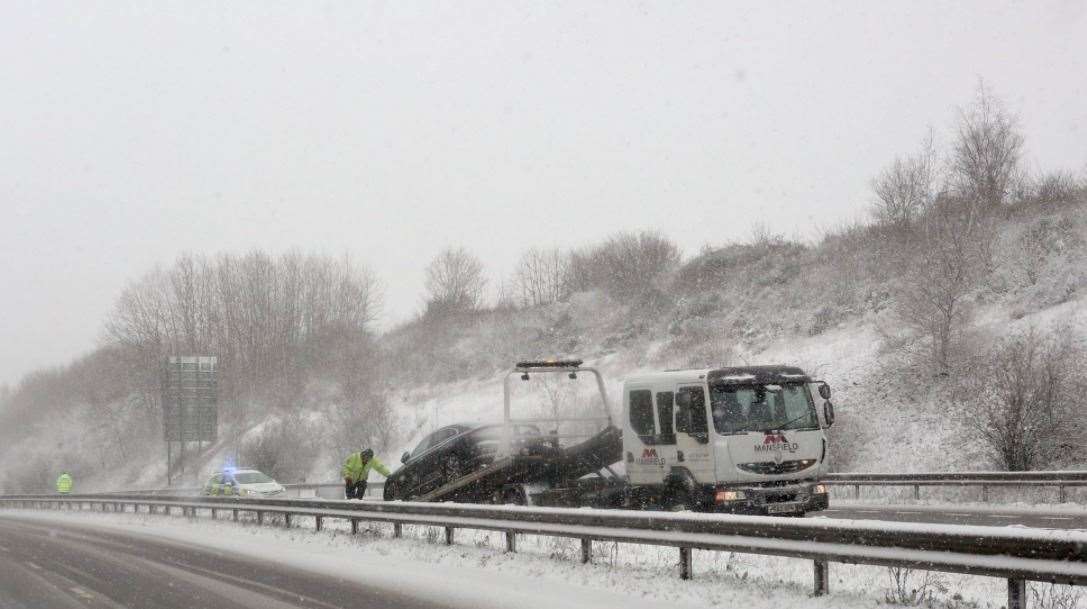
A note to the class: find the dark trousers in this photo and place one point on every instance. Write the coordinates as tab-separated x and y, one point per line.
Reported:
355	490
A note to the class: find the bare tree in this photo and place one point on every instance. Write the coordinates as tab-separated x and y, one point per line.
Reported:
371	424
905	190
952	253
504	297
1058	187
988	147
542	277
454	282
283	449
1023	402
273	322
632	264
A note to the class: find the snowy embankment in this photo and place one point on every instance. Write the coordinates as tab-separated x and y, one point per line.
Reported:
545	572
891	417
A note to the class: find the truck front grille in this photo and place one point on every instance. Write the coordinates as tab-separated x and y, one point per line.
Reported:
770	468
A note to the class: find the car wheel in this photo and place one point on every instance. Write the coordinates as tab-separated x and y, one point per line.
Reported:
454	467
391	491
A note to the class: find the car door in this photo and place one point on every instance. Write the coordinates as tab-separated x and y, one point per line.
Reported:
435	460
412	477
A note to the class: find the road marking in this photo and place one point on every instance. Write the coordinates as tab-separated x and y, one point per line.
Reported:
1055	518
33	566
908	512
1003	515
958	514
868	511
81	592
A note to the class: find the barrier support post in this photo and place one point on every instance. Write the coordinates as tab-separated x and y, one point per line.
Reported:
685	563
1017	594
822	577
511	541
586	550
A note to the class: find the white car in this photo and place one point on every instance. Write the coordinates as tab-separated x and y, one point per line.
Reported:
243	483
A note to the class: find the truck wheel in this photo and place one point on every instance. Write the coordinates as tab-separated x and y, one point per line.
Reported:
677	499
514	495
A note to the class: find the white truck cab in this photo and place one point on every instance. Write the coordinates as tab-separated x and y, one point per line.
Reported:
740	439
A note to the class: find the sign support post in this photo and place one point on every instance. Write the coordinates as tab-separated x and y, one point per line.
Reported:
190	402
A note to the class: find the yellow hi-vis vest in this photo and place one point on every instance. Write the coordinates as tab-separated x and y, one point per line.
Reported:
356	470
64	484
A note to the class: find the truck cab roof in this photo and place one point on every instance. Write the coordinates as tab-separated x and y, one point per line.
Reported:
762	375
758	374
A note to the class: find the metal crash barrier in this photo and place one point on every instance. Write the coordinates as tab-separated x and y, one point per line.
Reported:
1015	554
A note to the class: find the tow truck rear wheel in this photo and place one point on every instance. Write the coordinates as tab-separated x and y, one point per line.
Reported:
677	499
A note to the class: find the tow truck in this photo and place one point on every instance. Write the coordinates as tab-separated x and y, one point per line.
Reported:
732	439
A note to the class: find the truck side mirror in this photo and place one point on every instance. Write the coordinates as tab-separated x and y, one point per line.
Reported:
404	457
824	391
828	412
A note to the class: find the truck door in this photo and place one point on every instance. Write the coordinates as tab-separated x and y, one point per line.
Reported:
644	463
666	433
694	449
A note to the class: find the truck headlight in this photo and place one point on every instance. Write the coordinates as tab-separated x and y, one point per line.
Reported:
723	496
819	489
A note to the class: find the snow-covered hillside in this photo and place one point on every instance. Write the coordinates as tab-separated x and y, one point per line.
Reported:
832	308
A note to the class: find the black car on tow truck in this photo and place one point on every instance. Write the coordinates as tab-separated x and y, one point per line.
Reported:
456	450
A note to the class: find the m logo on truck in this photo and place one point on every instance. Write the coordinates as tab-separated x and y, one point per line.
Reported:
649	457
776	442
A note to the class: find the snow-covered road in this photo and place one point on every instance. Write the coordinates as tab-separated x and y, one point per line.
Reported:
1066	516
60	565
102	560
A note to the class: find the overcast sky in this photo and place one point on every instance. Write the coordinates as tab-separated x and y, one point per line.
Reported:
390	130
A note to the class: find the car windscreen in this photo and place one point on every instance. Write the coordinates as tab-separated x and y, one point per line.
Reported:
251	478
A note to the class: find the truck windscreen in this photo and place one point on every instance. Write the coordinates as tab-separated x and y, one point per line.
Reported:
743	408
